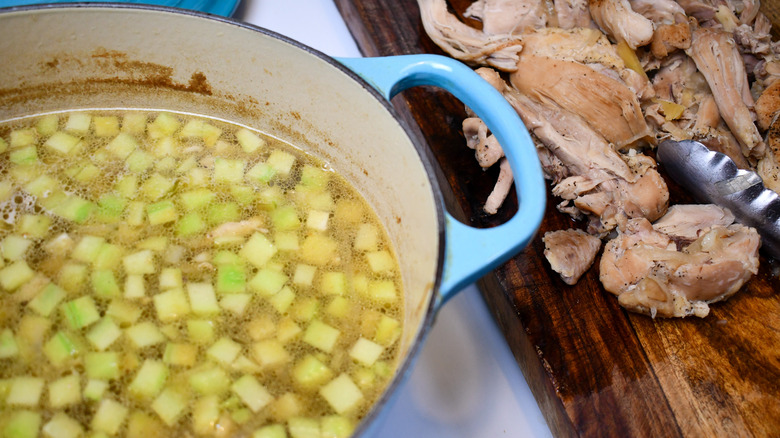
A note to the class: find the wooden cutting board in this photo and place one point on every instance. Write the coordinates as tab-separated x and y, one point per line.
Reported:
595	369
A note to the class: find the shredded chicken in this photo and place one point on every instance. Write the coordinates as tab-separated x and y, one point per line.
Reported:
617	19
597	82
570	252
658	274
466	43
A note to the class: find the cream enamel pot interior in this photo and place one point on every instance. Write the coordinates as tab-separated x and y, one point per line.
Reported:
82	56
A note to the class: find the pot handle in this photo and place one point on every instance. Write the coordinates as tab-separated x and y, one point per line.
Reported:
470	252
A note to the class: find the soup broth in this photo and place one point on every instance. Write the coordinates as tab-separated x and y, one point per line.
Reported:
167	274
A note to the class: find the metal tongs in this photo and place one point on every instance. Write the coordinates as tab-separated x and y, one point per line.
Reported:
712	177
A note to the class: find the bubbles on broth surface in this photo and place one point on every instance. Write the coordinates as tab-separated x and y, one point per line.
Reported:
176	275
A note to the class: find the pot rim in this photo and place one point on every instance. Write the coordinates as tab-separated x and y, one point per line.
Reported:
423	152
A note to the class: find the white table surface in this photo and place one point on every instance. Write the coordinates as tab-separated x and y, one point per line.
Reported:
465	382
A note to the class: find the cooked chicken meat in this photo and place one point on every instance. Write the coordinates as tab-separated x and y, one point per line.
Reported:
617	19
659	274
570	252
597	82
717	58
502	17
466	43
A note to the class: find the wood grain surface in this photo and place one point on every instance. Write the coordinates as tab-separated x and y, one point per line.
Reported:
595	369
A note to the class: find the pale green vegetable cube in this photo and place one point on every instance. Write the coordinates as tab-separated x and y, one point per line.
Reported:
333	283
382	291
249	141
196	198
317	220
88	248
164	124
171	278
25	391
22	424
144	334
14	247
62	426
62	142
336	426
42	186
287	330
109	417
166	165
149	380
139	161
388	330
24	156
74	208
366	238
3	145
190	224
211	380
35	225
321	336
303	427
134	122
339	306
224	351
124	312
267	282
23	137
95	389
161	212
245	195
270	431
47	299
102	365
205	415
80	312
72	277
282	162
154	243
260	173
318	249
143	425
270	352
127	186
304	275
254	395
104	284
228	171
60	348
136	213
381	262
285	218
312	176
235	303
200	331
8	345
261	327
282	300
258	250
78	123
122	145
87	173
245	365
108	257
165	147
157	186
141	262
286	241
366	352
135	286
203	298
305	309
65	391
342	394
231	279
104	333
105	126
309	373
179	354
15	275
171	305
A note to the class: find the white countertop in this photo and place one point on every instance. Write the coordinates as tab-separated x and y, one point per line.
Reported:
466	382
